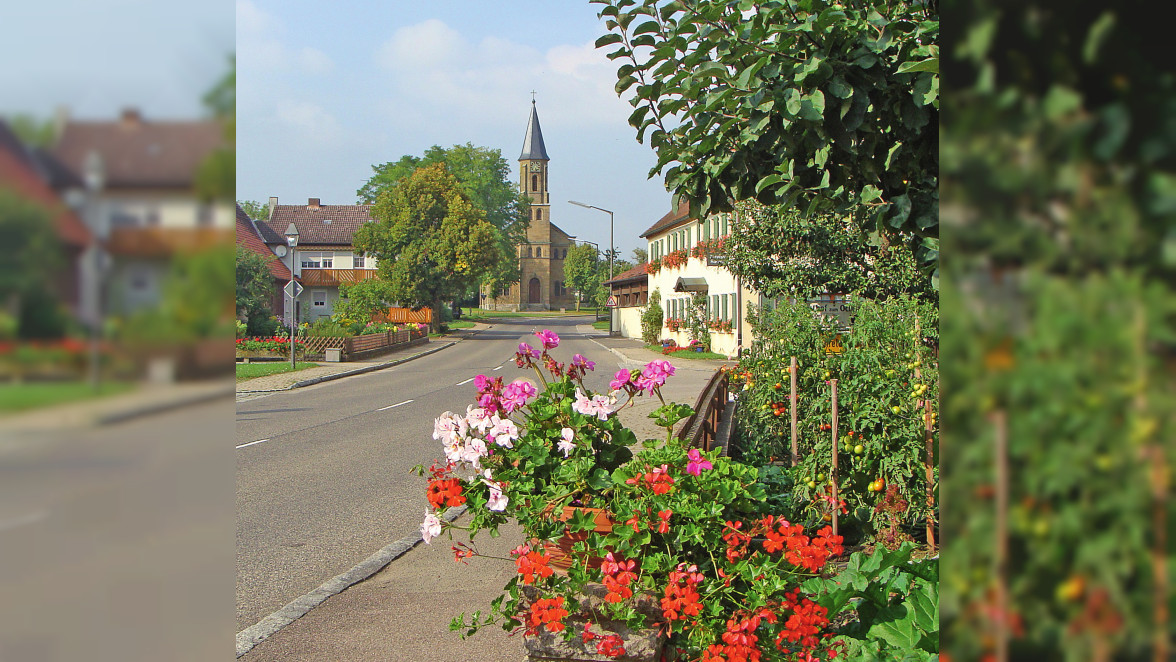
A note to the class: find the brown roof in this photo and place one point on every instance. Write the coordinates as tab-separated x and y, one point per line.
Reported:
636	273
249	239
332	225
673	218
19	174
140	154
163	242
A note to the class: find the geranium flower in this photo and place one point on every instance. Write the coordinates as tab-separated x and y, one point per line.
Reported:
478	418
579	361
516	394
620	379
550	340
431	527
566	444
526	350
697	463
598	405
503	432
497	501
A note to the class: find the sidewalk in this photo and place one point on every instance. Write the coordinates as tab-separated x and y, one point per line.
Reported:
254	388
402	612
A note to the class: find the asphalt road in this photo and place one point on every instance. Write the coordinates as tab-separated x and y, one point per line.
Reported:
116	540
323	472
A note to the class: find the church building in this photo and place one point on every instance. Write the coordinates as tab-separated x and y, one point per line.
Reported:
541	258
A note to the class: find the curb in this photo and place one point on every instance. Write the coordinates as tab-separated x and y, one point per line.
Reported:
160	407
299	607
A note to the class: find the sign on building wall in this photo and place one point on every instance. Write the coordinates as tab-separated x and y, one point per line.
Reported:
833	307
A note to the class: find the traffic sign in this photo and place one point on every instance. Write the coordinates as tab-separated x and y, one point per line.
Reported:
612	301
293	289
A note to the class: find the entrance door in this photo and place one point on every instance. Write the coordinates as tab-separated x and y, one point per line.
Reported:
533	294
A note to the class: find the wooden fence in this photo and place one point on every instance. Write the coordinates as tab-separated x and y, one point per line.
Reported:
405	315
316	346
701	428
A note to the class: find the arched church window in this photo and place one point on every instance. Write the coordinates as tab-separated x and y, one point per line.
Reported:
534	182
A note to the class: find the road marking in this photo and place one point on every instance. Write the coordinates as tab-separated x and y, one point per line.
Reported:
21	521
499	367
466	381
252	442
395	405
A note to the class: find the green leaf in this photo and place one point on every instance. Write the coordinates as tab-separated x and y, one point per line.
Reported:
870	193
648	26
770	180
813	106
607	39
930	64
840	89
625	83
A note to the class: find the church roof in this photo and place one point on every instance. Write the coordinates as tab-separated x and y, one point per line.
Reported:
533	147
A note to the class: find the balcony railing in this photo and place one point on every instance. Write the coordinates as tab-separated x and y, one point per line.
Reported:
335	277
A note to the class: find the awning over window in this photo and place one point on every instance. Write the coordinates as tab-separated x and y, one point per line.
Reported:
690	285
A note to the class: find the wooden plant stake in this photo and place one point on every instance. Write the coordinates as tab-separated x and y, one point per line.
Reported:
833	471
930	445
792	410
1002	539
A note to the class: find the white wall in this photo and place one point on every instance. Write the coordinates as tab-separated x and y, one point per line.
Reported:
628	321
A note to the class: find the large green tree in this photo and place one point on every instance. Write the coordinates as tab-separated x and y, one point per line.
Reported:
254	209
28	272
822	104
431	243
216	179
582	271
254	286
484	177
363	300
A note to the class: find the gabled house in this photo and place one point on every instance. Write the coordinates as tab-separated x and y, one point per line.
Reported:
25	173
142	204
325	257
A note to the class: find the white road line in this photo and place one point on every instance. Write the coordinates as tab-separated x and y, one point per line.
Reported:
26	519
498	368
253	442
395	405
466	381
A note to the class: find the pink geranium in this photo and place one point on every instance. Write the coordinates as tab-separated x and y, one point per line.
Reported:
697	462
516	394
550	340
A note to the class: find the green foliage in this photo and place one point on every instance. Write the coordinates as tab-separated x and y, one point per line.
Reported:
818	104
875	377
32	131
484	177
895	602
697	320
197	302
254	285
254	209
780	251
582	270
432	244
328	327
363	300
216	177
652	319
29	226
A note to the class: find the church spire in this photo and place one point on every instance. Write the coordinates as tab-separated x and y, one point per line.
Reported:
533	148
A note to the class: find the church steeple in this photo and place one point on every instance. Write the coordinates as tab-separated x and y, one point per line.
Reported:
533	148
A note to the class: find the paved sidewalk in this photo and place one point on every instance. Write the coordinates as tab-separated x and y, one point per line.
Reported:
145	400
403	611
254	388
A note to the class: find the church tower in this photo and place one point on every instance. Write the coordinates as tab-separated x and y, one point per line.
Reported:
541	285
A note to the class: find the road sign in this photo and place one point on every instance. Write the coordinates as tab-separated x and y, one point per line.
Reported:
293	289
612	301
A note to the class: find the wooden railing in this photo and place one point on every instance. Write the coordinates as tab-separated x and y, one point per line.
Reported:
701	428
334	277
405	315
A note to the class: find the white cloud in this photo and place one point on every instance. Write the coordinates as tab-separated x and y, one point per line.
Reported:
314	61
311	123
429	44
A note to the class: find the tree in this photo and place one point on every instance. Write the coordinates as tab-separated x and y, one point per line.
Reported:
582	271
28	272
781	252
216	179
652	319
32	131
431	243
363	300
640	255
825	105
254	287
484	177
253	209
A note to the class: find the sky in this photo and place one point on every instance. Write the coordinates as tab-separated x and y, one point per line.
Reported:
96	58
326	91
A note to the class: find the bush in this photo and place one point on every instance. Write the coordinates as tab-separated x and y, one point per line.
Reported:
325	327
651	319
261	325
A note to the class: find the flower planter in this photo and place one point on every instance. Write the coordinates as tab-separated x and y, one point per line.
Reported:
641	645
561	551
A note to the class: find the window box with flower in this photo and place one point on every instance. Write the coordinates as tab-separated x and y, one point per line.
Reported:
680	532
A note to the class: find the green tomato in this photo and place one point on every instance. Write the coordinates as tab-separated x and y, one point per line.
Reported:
896	409
859	449
812	485
820	476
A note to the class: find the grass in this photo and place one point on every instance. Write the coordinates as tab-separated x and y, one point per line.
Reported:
601	326
460	324
689	354
20	397
251	370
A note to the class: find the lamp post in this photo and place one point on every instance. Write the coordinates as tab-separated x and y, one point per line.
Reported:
611	250
94	174
292	241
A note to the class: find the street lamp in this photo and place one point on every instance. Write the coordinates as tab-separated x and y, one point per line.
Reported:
292	241
94	175
611	250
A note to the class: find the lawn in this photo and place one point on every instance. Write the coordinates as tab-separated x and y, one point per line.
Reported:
19	397
601	326
251	370
480	314
689	354
460	324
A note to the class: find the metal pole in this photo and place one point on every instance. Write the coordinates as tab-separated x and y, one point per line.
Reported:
96	325
611	250
833	470
293	363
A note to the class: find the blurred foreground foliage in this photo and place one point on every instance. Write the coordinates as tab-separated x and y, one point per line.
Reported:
1058	198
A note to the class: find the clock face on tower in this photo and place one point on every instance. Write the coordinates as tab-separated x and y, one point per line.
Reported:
536	167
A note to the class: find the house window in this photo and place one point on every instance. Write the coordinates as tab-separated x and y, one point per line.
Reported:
318	298
312	260
140	279
328	260
204	215
152	217
357	261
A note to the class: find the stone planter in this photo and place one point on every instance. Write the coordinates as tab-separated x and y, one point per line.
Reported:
644	645
561	551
